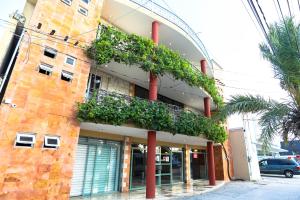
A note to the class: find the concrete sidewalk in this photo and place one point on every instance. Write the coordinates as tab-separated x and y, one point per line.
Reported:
164	192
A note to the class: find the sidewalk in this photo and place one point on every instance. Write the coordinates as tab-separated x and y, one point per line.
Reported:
163	192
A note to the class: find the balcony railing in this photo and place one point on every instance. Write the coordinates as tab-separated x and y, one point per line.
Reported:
174	110
173	18
118	109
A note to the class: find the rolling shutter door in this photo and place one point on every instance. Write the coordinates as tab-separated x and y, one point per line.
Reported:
78	170
89	173
112	178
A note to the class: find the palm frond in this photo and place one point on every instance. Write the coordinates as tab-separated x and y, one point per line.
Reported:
272	121
240	104
284	54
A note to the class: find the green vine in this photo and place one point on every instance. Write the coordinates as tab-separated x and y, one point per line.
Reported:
149	115
131	49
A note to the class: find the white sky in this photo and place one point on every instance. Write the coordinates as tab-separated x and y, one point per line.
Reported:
232	40
230	37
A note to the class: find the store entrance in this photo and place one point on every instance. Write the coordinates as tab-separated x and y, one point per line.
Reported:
169	166
198	164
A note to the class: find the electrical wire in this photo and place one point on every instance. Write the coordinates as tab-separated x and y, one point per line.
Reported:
259	32
289	7
263	14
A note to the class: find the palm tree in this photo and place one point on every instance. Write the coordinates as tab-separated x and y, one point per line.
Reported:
283	118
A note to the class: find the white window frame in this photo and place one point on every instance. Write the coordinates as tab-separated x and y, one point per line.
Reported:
24	134
51	146
88	1
71	57
50	50
67	74
46	67
67	2
83	11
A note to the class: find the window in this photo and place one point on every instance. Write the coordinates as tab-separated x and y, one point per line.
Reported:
68	2
66	76
263	163
86	1
70	60
25	140
45	69
287	162
94	84
50	52
51	142
273	162
83	11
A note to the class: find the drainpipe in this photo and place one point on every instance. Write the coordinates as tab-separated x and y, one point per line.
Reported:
11	61
151	139
210	146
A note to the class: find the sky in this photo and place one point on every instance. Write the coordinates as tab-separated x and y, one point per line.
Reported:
231	38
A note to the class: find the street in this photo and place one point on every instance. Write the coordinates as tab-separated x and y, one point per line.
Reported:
271	187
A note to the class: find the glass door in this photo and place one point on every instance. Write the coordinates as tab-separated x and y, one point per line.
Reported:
138	166
165	166
198	164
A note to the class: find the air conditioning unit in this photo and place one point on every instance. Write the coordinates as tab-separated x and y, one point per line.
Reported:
25	140
51	142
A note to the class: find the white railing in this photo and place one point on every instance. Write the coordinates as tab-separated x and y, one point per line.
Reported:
173	18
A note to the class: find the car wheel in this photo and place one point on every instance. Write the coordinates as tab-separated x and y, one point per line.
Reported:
288	174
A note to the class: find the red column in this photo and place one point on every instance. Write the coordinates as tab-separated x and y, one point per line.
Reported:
151	140
203	66
207	107
211	163
210	147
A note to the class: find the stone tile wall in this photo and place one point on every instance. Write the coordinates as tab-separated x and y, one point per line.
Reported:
45	104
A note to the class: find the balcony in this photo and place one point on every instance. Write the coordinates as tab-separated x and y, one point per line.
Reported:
121	114
136	16
131	57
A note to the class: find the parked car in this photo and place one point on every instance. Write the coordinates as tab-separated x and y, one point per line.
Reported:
287	167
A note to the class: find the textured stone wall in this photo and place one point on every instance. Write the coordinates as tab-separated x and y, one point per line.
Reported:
187	163
45	104
126	165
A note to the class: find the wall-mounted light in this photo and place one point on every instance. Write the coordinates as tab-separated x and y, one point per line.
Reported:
52	32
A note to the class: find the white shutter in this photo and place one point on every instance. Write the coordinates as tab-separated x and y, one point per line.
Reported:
79	170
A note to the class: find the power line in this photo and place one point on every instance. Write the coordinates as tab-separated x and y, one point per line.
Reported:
259	32
261	11
254	11
289	7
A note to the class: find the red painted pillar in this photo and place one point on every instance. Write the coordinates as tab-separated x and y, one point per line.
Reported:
210	146
211	163
203	66
207	112
151	139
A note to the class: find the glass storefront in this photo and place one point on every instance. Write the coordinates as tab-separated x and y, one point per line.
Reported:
169	166
198	164
96	167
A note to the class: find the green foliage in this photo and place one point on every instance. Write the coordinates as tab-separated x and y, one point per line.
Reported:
131	49
284	55
149	115
276	118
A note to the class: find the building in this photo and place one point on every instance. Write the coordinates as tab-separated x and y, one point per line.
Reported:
46	153
247	149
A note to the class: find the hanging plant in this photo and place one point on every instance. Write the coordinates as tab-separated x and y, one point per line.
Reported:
149	115
131	49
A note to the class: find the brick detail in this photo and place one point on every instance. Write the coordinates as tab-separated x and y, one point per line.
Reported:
126	165
187	162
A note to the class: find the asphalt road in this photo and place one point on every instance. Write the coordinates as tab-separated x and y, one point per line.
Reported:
269	188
